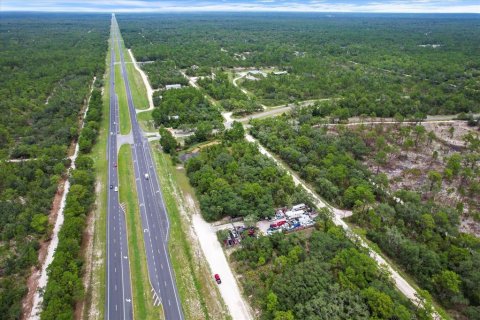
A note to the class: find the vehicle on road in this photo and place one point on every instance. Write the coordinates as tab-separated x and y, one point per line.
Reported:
217	278
111	186
114	165
146	176
116	189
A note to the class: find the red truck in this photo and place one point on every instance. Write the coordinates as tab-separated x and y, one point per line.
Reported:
278	224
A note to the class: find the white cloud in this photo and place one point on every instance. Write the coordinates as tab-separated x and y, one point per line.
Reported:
411	6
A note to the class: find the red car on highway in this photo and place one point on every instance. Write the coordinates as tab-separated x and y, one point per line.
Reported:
217	278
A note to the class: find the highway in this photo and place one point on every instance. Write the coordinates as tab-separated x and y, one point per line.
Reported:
152	210
119	293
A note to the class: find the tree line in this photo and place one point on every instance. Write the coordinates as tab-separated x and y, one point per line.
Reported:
65	286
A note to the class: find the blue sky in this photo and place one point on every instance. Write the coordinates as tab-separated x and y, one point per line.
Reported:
433	6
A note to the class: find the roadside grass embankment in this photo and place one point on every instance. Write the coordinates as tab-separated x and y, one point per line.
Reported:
137	87
142	299
199	295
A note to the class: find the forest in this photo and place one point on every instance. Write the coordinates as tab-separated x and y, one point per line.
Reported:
47	66
374	64
231	98
234	179
161	73
317	275
419	233
184	108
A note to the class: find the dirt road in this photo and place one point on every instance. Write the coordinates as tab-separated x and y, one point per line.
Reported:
229	289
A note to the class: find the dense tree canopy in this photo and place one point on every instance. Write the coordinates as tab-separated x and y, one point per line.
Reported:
237	180
184	107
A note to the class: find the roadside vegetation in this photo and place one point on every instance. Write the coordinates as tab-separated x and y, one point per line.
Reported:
44	88
200	298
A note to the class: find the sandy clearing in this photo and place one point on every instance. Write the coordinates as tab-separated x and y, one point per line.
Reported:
218	263
145	81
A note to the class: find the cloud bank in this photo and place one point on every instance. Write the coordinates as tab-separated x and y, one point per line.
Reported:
138	6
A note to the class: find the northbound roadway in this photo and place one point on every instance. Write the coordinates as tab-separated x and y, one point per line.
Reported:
152	209
119	293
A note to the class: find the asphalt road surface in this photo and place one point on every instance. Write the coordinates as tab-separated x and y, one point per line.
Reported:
119	293
153	213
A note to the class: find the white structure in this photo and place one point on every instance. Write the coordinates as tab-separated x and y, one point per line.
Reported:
294	214
173	86
257	72
298	207
252	78
278	73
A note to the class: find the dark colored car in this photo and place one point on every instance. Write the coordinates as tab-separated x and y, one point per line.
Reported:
111	186
217	278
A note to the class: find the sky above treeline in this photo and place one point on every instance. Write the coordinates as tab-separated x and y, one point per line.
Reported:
407	6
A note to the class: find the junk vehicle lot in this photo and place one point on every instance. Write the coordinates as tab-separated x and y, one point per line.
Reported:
295	218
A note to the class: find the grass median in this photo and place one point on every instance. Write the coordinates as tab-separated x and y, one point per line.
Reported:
198	293
141	289
125	124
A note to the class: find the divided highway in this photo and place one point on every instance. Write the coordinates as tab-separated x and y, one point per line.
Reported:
119	293
152	209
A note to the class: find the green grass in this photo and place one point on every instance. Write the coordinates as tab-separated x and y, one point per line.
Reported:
137	87
142	300
198	293
146	121
95	294
125	124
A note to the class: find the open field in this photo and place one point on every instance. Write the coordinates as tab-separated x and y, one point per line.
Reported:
142	300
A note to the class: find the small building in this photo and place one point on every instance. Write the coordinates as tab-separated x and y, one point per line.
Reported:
257	72
173	86
252	78
279	73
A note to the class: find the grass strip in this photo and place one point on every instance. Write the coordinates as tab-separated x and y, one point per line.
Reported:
142	298
125	124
